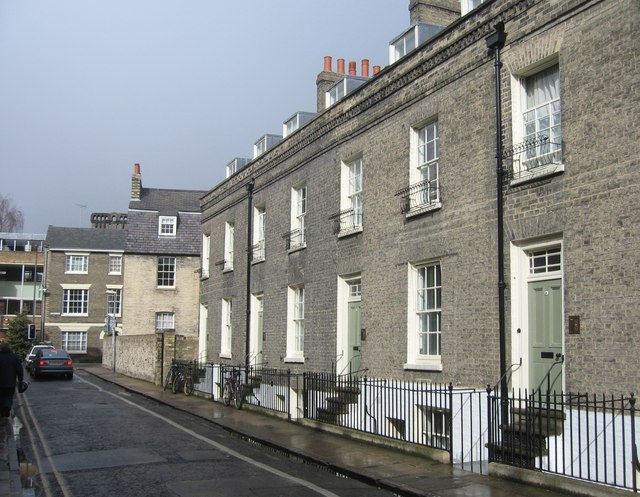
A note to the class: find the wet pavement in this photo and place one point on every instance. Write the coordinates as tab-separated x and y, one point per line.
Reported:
400	472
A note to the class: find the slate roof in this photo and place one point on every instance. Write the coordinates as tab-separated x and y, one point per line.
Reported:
92	239
168	202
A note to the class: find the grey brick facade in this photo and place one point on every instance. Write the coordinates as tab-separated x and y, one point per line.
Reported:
586	207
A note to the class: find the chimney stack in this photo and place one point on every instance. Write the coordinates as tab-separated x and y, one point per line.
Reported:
376	70
365	68
136	183
434	12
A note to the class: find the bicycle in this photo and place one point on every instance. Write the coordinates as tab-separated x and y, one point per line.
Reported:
183	381
233	389
171	375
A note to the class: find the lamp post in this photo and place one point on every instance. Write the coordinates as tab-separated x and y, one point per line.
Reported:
111	328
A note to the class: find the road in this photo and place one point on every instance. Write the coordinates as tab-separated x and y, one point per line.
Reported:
87	437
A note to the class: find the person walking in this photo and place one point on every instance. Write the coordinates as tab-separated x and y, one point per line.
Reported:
10	372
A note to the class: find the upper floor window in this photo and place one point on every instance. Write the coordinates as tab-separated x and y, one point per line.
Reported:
114	301
235	165
206	247
423	193
297	236
77	263
75	301
115	264
259	234
538	127
228	247
342	88
167	225
349	219
166	272
467	6
295	122
265	143
410	39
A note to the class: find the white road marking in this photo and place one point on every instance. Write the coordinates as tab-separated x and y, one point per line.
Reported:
219	446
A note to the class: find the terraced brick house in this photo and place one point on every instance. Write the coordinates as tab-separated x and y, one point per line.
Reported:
464	216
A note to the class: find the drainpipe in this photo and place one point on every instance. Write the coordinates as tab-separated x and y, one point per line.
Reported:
247	349
495	42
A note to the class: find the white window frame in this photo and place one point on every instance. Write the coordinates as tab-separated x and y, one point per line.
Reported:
206	255
424	161
228	246
76	263
419	307
79	341
299	205
167	225
165	321
548	155
115	263
351	196
83	300
467	6
259	218
226	328
166	262
295	324
403	46
114	301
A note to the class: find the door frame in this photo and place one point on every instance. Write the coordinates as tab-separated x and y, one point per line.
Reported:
342	321
519	286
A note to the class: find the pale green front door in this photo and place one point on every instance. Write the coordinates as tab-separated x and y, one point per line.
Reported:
545	336
354	339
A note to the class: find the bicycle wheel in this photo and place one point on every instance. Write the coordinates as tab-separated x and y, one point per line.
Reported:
188	385
176	386
238	398
168	380
226	394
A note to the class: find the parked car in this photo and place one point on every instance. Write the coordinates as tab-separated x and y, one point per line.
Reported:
28	359
51	362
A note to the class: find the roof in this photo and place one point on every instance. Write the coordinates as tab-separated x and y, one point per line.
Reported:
85	239
168	201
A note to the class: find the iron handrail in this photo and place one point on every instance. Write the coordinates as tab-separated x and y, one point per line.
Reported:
547	376
509	372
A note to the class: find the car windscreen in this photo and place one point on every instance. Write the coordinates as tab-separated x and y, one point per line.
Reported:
53	353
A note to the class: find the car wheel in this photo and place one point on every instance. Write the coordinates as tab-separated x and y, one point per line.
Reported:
70	376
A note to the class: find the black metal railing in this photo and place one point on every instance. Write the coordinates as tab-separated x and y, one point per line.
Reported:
295	239
269	388
532	157
580	436
419	196
347	221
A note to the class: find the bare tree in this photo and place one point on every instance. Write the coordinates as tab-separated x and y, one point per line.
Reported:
11	218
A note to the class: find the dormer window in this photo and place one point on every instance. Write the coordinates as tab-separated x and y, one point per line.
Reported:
295	122
235	165
264	144
342	88
416	35
167	225
467	6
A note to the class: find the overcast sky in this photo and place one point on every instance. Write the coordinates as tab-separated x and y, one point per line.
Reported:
90	87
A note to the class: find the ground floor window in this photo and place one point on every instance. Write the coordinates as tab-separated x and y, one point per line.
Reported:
74	341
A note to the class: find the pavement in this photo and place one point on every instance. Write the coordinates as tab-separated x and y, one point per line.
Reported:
400	472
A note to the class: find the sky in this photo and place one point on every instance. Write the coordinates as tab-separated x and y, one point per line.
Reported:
88	88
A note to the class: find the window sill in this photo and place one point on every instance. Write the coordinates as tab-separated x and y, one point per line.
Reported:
227	270
258	260
297	248
296	360
225	356
74	315
352	231
537	173
432	366
165	288
422	209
